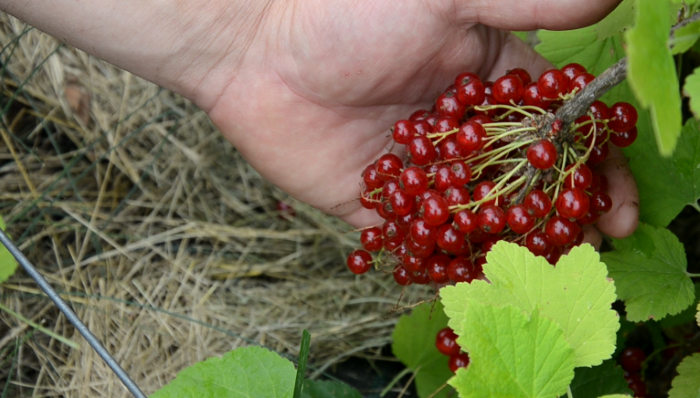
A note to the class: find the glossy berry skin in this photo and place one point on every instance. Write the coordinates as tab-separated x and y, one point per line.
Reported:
579	178
422	128
437	268
572	69
538	203
580	81
471	136
448	104
442	178
369	201
435	211
403	131
572	203
623	116
560	231
599	154
491	219
624	139
371	178
508	88
632	359
402	276
472	93
413	180
457	195
389	166
538	243
446	342
522	74
465	78
420	278
393	235
419	251
421	232
552	84
460	173
466	221
390	186
413	263
482	190
359	262
519	220
449	238
401	202
460	360
542	154
601	203
421	150
532	97
371	239
461	269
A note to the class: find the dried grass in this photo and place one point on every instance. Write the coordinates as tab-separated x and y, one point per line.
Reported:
161	236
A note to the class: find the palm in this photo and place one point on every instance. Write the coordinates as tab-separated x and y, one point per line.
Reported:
338	82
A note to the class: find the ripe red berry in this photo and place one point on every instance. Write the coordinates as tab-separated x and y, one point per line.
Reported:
448	104
471	136
572	203
542	154
435	210
572	69
449	238
466	221
421	232
483	190
401	202
448	149
508	88
389	166
446	342
522	74
519	220
623	116
436	266
632	359
552	84
403	131
532	97
393	235
420	251
402	276
461	173
601	203
457	195
538	203
422	128
560	231
579	178
359	262
624	139
599	154
491	219
580	81
461	269
472	93
460	360
537	243
413	263
465	78
390	186
488	100
371	178
420	278
371	239
369	200
413	180
446	124
442	179
421	150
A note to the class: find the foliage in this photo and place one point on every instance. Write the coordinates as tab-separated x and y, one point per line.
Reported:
687	384
600	380
8	264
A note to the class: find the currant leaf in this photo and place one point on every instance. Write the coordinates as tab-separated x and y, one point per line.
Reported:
616	396
328	389
607	378
686	316
620	19
414	344
575	294
512	354
685	37
691	89
244	372
8	264
687	383
651	71
649	269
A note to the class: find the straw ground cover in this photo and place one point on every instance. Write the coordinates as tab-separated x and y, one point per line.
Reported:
165	241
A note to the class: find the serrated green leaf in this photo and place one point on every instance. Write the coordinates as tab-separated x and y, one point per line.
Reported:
655	285
651	71
687	383
8	264
685	37
691	89
575	294
616	396
328	389
414	344
607	378
244	372
512	355
686	316
521	35
620	19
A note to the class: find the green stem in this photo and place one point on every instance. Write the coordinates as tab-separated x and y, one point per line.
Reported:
568	392
42	329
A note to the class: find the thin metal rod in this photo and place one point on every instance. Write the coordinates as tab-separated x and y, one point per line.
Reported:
72	317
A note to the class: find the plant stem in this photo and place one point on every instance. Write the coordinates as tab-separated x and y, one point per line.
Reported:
42	329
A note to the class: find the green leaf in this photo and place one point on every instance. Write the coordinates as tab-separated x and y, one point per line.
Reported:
651	71
511	354
244	372
684	38
616	396
575	294
686	316
328	389
620	19
521	35
8	264
414	344
691	89
593	382
697	316
301	365
652	281
687	383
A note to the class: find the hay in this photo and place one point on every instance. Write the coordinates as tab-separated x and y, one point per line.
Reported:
160	235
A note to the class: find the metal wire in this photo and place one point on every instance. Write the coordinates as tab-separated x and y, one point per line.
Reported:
72	317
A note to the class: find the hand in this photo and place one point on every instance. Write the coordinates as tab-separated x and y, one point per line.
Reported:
306	90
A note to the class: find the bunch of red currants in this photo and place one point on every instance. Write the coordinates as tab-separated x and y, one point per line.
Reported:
490	162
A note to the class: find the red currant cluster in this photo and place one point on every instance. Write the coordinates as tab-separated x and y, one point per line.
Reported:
632	360
489	162
446	343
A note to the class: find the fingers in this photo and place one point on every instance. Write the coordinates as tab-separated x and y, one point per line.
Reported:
592	235
623	218
515	53
532	14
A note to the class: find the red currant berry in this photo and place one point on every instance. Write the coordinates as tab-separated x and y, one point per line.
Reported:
483	190
371	178
466	221
435	210
632	359
446	124
472	93
522	74
579	178
390	186
420	114
508	88
532	97
553	255
537	243
461	173
423	128
392	234
420	251
519	220
457	196
471	136
401	202
449	149
560	231
552	84
490	243
572	203
488	101
442	179
359	262
449	238
371	239
624	139
601	203
600	110
437	268
385	211
389	166
589	218
446	342
421	150
488	85
465	78
420	278
598	183
369	201
623	117
481	119
572	69
542	154
538	203
461	269
580	81
460	360
637	385
491	219
448	104
413	180
413	263
402	276
599	154
421	232
403	131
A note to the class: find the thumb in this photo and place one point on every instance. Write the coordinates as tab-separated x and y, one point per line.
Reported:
532	14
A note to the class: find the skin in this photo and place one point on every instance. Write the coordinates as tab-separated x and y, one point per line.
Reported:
306	90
